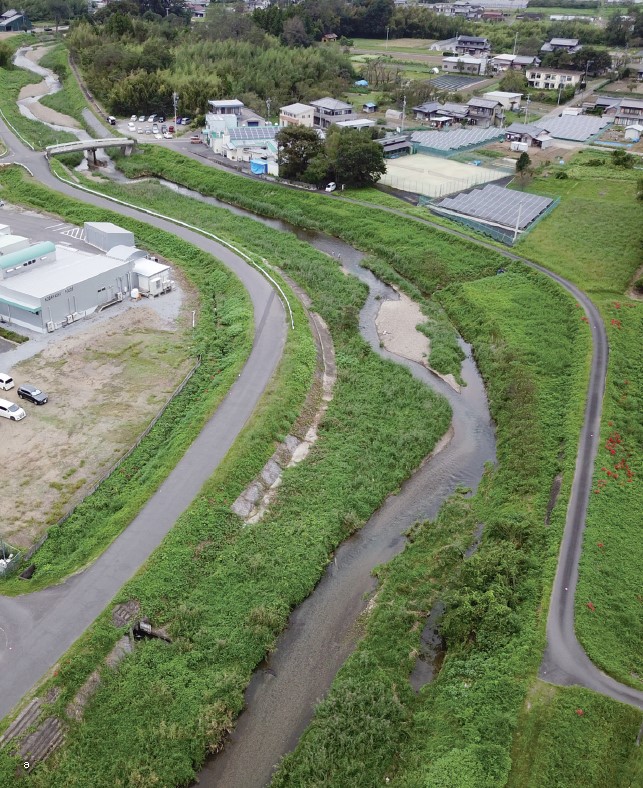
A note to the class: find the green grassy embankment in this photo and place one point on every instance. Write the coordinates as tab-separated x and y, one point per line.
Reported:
222	591
532	349
222	339
70	100
426	257
12	81
595	238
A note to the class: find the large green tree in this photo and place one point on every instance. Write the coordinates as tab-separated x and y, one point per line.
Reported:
356	159
298	145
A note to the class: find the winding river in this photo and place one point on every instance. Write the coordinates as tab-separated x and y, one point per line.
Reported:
321	633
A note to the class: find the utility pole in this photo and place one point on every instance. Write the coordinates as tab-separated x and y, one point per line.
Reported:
387	39
403	112
515	42
175	102
560	88
268	103
527	107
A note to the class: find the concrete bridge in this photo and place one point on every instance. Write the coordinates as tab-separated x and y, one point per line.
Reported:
91	146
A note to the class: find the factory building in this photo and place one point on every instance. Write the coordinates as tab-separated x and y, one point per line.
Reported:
44	287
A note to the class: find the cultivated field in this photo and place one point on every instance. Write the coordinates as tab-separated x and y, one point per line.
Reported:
105	383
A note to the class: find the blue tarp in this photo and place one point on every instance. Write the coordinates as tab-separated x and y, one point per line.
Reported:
258	167
362	83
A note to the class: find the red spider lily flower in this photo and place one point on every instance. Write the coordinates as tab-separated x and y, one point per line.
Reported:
590	605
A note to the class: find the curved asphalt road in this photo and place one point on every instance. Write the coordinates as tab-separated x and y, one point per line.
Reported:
37	629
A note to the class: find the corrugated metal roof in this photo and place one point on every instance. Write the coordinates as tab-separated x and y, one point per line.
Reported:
30	253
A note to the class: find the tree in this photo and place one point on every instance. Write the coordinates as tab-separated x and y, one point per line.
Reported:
59	11
356	159
295	34
513	81
523	167
298	145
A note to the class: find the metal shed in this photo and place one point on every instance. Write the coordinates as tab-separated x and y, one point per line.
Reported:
105	235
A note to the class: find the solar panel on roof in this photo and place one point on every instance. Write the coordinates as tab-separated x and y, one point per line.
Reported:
452	140
250	133
498	205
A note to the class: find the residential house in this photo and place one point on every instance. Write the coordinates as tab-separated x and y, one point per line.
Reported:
370	106
424	111
485	112
492	16
455	112
466	10
12	21
569	45
472	46
527	132
329	38
501	63
329	110
509	101
629	113
297	115
551	78
463	64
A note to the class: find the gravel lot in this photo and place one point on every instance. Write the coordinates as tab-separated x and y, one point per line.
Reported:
105	383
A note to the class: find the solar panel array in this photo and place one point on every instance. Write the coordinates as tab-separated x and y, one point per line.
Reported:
458	138
454	81
253	133
573	127
498	205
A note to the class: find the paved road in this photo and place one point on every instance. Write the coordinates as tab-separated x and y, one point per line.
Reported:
36	630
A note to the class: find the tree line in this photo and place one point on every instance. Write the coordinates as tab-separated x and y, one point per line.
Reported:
134	64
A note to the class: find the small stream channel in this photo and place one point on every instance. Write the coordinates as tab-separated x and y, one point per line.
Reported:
321	634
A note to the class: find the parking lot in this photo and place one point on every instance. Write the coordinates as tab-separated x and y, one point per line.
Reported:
106	377
144	129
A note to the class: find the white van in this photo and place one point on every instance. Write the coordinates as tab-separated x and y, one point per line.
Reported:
6	381
11	411
111	120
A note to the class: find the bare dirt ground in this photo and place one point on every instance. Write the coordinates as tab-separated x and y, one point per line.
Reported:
105	384
396	327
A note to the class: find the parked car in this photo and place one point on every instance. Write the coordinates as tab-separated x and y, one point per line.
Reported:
185	121
161	118
179	121
331	187
141	118
140	130
133	119
167	135
170	129
163	128
11	411
32	394
195	140
151	118
6	381
111	120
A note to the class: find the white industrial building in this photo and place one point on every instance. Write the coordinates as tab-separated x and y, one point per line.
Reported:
45	286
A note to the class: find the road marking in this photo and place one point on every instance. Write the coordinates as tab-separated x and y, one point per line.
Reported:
56	226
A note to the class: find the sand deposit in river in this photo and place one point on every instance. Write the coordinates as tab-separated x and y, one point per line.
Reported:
396	327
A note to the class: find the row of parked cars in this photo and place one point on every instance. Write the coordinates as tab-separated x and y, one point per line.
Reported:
26	391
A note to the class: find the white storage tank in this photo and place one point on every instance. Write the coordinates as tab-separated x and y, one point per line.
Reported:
105	235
